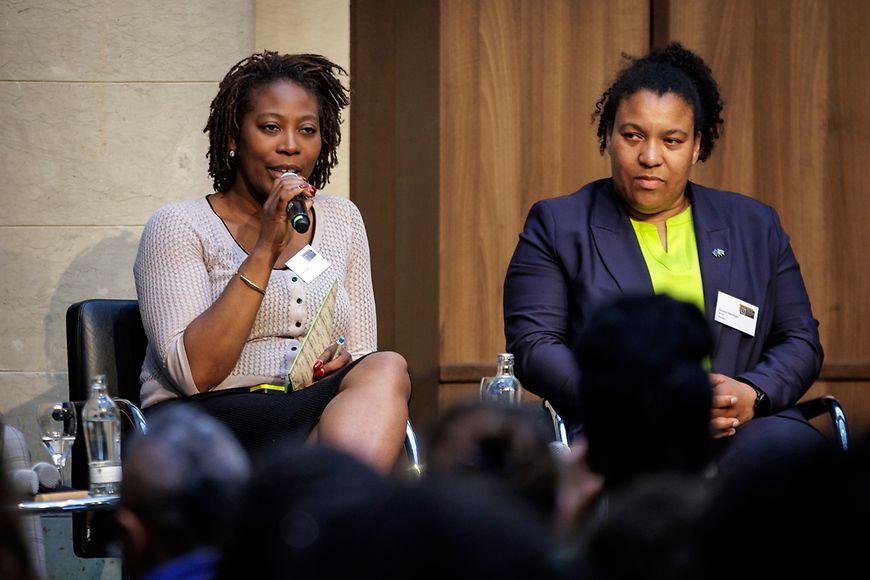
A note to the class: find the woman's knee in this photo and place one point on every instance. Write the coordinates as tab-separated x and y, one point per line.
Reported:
389	358
396	368
392	371
769	439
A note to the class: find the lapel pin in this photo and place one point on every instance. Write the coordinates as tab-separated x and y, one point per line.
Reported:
718	253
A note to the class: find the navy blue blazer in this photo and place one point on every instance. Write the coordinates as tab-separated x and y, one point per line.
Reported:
578	250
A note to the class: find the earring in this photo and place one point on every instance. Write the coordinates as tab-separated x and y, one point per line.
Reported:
232	153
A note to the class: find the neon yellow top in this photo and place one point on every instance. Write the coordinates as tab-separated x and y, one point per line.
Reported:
676	272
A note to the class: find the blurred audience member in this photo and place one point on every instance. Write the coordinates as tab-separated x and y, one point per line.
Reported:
649	531
14	559
451	530
299	507
182	481
499	447
796	517
646	397
579	489
315	512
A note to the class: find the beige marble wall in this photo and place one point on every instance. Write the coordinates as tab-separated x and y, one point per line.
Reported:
102	104
320	27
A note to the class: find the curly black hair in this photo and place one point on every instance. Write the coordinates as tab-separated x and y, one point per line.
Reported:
672	69
313	72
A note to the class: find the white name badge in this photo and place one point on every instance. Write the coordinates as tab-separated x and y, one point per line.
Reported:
736	313
307	264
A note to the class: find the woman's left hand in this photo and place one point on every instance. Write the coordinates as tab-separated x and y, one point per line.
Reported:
329	361
733	405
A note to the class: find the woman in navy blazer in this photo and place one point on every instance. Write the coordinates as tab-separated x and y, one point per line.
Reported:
661	116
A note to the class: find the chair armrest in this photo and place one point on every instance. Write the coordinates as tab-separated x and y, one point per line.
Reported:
16	455
830	405
560	433
133	414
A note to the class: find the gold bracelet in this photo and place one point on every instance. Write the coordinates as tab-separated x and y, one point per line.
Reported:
250	284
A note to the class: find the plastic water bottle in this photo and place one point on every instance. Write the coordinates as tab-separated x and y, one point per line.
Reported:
102	425
504	387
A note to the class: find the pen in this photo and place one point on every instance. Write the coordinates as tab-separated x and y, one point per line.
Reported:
339	342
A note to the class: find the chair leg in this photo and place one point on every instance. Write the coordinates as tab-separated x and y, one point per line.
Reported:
412	450
559	430
133	414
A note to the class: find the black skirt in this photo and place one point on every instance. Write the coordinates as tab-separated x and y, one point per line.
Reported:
262	421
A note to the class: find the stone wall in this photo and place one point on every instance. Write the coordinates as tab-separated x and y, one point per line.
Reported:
102	105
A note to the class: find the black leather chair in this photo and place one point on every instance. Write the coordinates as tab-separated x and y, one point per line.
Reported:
106	336
102	337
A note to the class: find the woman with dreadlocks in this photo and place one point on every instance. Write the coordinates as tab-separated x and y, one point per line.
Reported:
648	229
222	309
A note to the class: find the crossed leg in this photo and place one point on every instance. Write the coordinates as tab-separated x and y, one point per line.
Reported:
367	416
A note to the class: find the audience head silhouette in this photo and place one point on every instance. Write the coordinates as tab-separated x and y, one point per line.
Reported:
498	447
646	397
181	482
650	531
316	512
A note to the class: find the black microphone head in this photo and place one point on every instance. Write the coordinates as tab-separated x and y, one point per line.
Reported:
298	215
300	223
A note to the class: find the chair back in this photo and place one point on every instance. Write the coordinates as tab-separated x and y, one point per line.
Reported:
102	337
105	337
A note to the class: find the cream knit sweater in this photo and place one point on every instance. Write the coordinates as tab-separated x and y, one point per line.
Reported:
187	257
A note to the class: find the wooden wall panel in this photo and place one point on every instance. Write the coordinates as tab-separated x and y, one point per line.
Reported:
457	133
373	148
519	81
796	137
394	177
853	397
845	285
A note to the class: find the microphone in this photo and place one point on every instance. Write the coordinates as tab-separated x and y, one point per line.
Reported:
298	215
47	474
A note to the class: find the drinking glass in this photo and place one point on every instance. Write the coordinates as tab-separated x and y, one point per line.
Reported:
484	383
57	425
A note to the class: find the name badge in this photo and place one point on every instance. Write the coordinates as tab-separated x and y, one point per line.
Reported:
736	313
307	264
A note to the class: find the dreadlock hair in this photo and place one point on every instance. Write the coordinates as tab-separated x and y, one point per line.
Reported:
315	73
672	69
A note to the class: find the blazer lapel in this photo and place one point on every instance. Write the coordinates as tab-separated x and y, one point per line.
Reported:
617	243
715	253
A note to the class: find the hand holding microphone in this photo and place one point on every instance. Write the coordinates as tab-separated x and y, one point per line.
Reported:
296	211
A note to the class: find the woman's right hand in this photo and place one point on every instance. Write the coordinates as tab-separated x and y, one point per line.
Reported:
275	227
732	405
332	359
